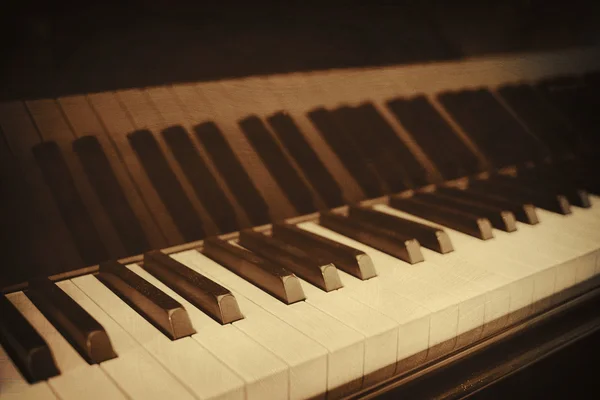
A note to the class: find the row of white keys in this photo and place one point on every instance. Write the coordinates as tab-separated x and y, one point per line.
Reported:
77	378
262	372
528	271
14	387
155	366
345	346
380	331
536	249
453	310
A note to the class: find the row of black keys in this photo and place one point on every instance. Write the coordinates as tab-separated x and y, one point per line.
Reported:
369	149
271	262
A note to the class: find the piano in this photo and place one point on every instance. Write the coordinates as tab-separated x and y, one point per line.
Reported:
424	225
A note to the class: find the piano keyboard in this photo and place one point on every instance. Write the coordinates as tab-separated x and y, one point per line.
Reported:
366	279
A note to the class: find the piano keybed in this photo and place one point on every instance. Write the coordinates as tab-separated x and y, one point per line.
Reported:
114	175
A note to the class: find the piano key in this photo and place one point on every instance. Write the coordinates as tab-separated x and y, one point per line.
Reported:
381	128
168	187
551	255
53	127
534	179
236	177
149	364
27	348
106	186
464	222
111	114
286	176
51	235
159	309
524	212
345	258
444	309
360	170
78	327
432	133
295	143
210	297
355	124
432	238
83	119
264	374
77	377
15	387
324	276
58	178
380	331
549	201
500	218
205	185
491	126
345	346
404	247
540	117
275	280
176	126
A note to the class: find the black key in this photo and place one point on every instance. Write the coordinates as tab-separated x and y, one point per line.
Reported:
552	202
233	172
166	184
349	156
433	134
400	246
272	278
524	212
374	151
84	333
491	126
548	180
110	193
215	300
432	238
500	218
72	209
161	310
323	276
278	165
541	118
383	132
202	180
24	345
348	259
312	166
468	223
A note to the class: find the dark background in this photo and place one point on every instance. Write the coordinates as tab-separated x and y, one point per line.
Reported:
79	47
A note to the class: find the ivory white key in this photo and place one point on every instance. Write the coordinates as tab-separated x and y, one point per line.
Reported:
181	371
308	367
536	248
77	378
14	387
452	314
345	345
381	332
502	261
264	373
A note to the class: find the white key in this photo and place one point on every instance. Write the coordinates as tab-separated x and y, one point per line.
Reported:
444	322
264	374
14	387
381	332
345	345
190	367
77	377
